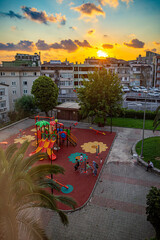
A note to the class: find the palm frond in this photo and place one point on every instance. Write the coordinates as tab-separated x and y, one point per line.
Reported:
29	161
31	228
155	126
39	198
156	121
66	200
44	170
44	183
3	161
21	150
10	151
8	217
63	217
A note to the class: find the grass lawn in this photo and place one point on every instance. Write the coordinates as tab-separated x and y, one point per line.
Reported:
131	123
151	150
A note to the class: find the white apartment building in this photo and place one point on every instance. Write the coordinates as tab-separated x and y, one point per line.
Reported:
4	101
19	80
62	74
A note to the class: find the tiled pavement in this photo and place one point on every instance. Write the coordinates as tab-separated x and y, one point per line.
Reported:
116	210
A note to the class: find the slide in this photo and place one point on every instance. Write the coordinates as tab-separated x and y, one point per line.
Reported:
39	148
49	151
45	146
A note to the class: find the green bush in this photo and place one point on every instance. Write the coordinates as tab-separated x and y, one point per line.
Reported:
153	209
137	114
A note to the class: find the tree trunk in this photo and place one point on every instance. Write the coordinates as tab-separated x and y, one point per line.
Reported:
47	115
111	123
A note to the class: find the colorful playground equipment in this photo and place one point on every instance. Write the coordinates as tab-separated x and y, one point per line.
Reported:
97	131
51	134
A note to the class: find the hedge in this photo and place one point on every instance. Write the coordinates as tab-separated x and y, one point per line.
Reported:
137	114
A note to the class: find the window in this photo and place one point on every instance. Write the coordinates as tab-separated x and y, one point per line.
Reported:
35	73
12	73
24	74
3	104
76	83
25	91
75	75
3	82
24	83
13	92
2	91
3	73
62	83
63	91
13	83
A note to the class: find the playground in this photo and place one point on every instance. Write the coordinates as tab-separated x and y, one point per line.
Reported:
63	146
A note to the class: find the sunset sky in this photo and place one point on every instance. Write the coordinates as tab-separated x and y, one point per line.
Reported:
76	29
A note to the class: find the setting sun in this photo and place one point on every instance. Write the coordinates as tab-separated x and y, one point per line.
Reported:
100	53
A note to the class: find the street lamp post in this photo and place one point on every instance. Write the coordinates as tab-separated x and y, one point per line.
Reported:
144	116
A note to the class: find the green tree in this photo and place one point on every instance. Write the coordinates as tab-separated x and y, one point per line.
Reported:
101	95
22	191
25	106
153	209
45	92
156	121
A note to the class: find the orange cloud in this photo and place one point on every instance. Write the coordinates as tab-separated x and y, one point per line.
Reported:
113	3
91	31
107	46
156	43
89	10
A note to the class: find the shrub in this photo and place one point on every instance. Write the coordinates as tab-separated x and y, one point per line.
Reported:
137	114
153	209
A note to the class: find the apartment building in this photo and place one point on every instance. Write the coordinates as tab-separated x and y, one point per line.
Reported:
19	80
120	67
141	74
62	74
156	62
4	101
19	75
25	60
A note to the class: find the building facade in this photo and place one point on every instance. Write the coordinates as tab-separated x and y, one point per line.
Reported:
156	62
4	101
141	74
62	74
19	80
119	67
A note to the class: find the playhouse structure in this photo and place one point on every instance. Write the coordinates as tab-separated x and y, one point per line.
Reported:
51	134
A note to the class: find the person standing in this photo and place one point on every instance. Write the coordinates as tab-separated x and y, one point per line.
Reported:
94	168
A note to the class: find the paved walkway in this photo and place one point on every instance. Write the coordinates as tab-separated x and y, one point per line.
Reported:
116	210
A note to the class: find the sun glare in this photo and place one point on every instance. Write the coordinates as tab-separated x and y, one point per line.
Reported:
100	53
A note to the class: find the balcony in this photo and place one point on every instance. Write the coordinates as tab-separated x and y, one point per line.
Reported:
3	110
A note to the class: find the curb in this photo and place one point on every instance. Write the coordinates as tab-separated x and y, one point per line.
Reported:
8	126
140	160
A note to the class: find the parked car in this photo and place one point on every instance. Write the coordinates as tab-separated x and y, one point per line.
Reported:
155	89
125	89
143	89
136	89
154	94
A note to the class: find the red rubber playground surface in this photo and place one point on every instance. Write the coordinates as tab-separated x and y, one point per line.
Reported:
80	183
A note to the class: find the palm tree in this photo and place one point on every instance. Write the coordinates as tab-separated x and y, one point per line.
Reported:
156	121
22	190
